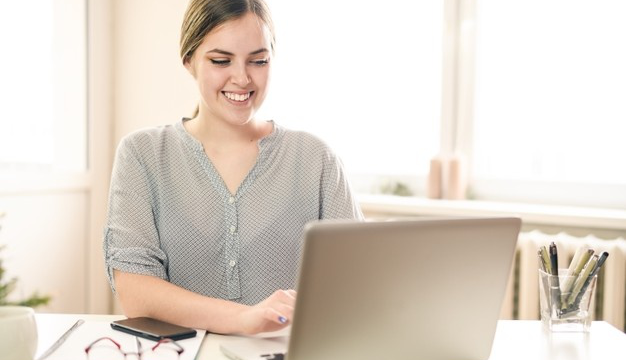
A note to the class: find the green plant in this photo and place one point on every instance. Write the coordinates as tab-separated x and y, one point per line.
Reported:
396	188
7	287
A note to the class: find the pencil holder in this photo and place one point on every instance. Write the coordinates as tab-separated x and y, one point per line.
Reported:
564	301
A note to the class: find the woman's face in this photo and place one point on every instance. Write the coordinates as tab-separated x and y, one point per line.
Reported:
232	68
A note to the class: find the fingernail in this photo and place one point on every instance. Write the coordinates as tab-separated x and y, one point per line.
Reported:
282	319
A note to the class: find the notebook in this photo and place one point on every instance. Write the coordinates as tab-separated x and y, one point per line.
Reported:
411	289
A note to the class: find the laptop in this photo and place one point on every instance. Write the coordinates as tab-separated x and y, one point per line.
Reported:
409	289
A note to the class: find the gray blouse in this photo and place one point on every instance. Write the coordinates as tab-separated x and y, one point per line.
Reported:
171	215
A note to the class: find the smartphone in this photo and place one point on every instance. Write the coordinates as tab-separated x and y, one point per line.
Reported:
153	329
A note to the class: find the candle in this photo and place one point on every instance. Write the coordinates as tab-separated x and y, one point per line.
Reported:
457	183
433	188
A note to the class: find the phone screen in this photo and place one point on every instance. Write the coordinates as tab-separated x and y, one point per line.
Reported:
153	329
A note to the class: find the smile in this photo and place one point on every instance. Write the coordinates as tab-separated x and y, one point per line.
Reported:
237	97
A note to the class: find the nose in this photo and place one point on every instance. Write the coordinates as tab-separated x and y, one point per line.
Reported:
240	75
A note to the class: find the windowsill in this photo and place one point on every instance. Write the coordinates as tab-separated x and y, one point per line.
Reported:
612	219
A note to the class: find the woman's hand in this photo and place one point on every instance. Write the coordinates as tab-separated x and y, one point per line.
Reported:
271	314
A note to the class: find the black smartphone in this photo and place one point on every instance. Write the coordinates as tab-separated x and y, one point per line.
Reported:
153	329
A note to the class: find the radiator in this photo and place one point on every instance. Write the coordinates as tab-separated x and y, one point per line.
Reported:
522	294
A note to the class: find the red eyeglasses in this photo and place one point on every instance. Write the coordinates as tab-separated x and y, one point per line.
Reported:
106	348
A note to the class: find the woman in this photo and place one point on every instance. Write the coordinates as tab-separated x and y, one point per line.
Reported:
206	216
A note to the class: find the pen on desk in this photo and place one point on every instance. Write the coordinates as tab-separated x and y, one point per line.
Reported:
593	273
61	340
555	289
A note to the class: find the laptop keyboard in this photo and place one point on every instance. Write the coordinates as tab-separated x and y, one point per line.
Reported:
277	356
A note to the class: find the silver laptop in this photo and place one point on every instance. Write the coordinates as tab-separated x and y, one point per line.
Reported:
419	289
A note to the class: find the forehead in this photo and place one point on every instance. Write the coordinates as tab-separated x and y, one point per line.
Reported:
248	32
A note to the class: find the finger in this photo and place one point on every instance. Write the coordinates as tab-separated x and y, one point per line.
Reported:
284	296
275	316
286	311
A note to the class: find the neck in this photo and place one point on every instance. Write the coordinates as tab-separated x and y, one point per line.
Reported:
221	134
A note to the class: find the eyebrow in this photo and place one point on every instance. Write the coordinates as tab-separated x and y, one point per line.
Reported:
224	52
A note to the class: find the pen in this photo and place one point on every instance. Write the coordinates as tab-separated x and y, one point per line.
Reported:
555	289
593	273
580	281
61	340
542	265
578	263
546	259
545	286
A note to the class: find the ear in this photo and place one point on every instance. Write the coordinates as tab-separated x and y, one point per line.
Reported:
188	63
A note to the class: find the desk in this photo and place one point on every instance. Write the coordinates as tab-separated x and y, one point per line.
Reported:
514	340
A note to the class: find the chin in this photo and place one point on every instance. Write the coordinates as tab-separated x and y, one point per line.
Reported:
239	119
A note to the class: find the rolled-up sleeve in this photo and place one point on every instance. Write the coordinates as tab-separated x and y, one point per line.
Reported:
131	238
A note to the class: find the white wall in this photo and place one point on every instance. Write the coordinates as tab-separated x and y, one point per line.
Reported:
151	86
44	234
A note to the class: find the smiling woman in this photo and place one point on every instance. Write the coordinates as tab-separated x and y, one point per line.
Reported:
207	215
232	78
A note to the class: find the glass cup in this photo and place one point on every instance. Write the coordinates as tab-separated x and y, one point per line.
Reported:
564	301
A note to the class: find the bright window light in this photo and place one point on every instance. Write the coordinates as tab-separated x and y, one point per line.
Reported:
43	123
364	77
550	90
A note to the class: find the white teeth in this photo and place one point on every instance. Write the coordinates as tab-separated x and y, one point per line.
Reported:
237	97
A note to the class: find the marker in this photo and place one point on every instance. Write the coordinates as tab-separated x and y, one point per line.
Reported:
578	263
593	273
580	281
555	288
545	287
546	259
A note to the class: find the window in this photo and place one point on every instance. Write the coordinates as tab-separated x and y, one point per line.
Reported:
530	92
366	69
550	85
43	117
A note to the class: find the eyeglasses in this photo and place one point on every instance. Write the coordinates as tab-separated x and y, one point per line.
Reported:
106	348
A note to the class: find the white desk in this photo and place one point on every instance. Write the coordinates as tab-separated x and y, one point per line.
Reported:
515	340
527	340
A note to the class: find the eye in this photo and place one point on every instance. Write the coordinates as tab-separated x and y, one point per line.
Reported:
260	62
220	61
